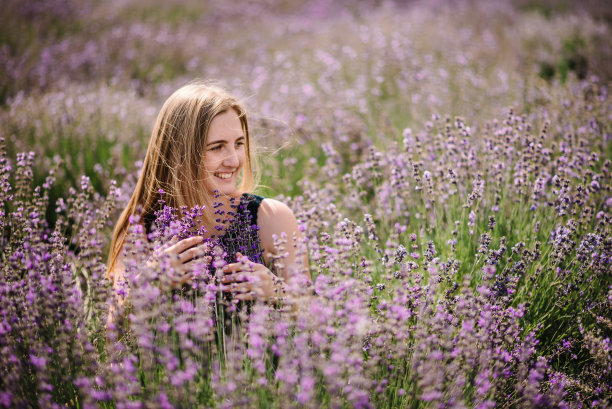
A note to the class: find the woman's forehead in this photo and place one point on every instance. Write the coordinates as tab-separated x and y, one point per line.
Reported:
225	125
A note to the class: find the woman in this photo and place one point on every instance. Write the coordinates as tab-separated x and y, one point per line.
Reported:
199	153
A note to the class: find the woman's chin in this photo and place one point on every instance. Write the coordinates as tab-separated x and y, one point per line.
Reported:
224	190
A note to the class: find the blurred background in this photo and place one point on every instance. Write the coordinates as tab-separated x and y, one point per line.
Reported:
82	80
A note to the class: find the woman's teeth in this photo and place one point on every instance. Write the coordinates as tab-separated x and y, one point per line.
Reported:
224	175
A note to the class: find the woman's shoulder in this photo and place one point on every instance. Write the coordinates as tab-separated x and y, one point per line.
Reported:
272	208
274	218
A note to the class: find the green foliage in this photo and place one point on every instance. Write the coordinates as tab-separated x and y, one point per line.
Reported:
85	131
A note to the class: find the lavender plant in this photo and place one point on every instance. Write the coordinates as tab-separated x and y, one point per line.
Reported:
53	295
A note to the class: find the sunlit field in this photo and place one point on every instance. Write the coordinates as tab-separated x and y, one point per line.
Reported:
448	163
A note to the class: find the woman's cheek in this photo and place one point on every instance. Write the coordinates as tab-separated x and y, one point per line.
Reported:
211	163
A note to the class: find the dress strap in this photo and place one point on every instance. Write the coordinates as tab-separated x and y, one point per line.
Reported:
252	201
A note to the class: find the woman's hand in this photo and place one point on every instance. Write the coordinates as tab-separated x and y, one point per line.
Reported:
249	281
181	256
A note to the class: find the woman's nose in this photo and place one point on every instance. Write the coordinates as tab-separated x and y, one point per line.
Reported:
231	160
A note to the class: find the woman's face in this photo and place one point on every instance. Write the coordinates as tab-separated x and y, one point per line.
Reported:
225	153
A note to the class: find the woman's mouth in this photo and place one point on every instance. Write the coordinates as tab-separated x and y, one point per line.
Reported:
225	175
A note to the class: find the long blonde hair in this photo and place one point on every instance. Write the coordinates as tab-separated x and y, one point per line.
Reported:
173	162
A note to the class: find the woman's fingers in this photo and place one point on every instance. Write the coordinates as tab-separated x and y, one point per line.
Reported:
190	265
185	250
240	266
184	244
237	288
164	246
193	252
205	259
247	280
248	296
182	257
235	278
258	283
232	268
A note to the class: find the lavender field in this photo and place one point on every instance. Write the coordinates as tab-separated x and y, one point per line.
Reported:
448	163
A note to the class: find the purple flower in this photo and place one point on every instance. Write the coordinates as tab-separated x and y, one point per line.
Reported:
431	396
37	361
5	398
163	400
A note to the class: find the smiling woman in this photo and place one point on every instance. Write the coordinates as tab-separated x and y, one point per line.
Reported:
199	156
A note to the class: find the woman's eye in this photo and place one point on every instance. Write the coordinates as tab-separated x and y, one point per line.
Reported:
215	148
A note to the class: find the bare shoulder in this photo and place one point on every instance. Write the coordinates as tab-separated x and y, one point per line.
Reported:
271	211
275	218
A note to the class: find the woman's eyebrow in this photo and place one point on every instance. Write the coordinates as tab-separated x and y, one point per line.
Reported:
216	142
222	141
